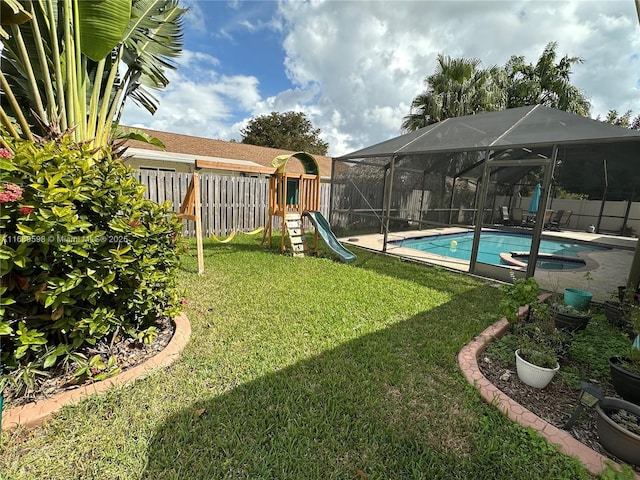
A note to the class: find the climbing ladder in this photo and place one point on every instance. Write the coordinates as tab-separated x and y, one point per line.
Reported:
296	234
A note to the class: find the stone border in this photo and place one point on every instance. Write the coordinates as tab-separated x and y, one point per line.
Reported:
35	413
468	362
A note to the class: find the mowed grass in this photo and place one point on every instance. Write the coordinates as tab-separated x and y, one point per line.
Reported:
301	369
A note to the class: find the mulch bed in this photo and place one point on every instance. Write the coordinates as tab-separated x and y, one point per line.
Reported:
555	403
127	351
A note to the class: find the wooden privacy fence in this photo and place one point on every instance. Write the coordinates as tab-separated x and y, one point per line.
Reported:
228	203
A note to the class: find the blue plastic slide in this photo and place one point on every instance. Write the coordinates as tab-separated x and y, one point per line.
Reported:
324	229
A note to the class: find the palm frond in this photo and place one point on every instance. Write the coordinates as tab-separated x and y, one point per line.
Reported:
153	39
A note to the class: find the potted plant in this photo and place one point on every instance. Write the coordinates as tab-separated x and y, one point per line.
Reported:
536	365
579	298
618	426
536	356
570	318
625	370
542	345
521	292
618	308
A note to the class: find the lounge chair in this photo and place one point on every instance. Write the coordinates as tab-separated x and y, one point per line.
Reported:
517	217
547	218
555	217
505	215
561	221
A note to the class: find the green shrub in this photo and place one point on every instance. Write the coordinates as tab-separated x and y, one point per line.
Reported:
83	255
522	292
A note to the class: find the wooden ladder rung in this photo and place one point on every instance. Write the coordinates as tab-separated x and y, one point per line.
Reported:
296	234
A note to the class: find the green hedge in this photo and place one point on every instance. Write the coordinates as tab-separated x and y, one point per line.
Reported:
83	255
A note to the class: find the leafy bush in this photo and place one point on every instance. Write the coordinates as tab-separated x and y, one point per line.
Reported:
522	292
84	256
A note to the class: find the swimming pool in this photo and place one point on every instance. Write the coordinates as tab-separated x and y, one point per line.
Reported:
493	244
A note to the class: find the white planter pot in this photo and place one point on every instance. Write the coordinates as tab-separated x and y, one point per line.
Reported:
533	375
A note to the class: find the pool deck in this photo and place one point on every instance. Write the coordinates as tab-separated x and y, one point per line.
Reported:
608	268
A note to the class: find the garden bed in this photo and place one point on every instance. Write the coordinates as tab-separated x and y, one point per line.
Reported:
586	360
126	350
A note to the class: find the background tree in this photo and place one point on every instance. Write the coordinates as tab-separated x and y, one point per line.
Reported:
623	120
458	87
287	131
546	83
61	59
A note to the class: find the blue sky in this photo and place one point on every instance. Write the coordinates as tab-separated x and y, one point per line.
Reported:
353	67
242	37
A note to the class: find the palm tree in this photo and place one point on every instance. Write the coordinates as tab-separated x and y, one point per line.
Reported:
61	63
545	83
458	87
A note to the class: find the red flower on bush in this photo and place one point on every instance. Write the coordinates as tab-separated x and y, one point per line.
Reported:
4	153
26	210
10	193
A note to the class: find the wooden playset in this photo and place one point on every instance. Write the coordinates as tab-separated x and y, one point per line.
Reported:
292	195
190	207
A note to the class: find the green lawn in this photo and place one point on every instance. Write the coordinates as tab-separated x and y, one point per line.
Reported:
301	369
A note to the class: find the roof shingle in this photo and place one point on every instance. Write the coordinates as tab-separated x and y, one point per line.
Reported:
179	143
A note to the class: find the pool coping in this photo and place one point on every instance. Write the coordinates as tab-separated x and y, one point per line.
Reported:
508	260
511	258
595	462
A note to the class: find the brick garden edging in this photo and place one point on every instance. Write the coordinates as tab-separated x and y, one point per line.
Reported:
35	413
468	362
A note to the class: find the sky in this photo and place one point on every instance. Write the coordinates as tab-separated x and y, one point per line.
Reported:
353	67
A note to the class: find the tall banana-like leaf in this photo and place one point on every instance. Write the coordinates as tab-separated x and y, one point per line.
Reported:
152	40
52	39
97	36
60	67
11	13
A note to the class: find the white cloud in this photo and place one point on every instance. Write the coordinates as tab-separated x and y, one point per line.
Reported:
199	60
369	59
355	66
194	18
198	100
248	25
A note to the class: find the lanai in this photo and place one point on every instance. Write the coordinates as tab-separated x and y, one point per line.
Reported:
494	147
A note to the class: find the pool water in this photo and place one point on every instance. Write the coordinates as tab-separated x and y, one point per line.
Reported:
492	244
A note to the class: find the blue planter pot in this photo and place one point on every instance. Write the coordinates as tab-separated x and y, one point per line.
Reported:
577	298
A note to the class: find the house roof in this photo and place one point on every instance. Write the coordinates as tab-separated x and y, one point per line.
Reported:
224	152
200	161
